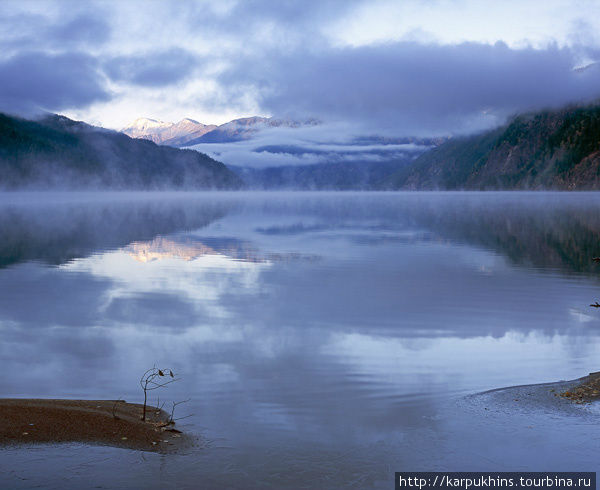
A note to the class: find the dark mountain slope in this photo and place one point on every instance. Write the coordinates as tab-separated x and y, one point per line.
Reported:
57	152
353	175
549	149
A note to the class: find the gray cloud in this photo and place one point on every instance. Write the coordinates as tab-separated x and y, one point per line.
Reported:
152	70
35	81
409	86
35	31
83	29
246	19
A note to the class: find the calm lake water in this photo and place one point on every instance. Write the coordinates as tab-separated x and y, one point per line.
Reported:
325	340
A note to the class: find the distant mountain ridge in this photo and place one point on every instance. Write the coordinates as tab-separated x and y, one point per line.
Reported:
167	133
188	132
557	149
59	153
551	149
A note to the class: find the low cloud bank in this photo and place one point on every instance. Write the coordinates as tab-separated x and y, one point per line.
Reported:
325	143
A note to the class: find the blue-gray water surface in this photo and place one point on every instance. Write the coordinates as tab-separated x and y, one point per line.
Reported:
325	340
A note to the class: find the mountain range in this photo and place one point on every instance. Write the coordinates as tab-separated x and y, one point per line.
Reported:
167	133
550	149
359	163
57	152
188	132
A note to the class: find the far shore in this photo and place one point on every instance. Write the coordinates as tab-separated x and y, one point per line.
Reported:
104	422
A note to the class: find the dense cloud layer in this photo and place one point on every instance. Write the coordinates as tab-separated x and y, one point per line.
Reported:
31	82
408	85
35	31
114	61
152	70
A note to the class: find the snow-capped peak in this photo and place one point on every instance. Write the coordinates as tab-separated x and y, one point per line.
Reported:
145	123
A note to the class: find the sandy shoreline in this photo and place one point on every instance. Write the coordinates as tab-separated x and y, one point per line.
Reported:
565	397
104	422
119	424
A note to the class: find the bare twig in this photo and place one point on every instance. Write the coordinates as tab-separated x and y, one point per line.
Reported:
186	417
159	407
171	419
114	409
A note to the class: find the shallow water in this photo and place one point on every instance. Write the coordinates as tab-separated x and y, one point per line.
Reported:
324	340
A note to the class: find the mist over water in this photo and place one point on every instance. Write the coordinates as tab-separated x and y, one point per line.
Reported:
321	337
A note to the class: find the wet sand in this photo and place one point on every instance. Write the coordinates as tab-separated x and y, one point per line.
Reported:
554	398
103	422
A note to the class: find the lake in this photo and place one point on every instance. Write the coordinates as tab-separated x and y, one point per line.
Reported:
324	340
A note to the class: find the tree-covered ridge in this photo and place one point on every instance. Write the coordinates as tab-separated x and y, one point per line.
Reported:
56	152
547	149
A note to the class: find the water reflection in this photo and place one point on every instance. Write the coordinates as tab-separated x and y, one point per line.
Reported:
54	229
163	248
308	325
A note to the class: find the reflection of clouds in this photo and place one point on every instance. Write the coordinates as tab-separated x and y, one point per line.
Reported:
200	282
35	296
581	316
460	364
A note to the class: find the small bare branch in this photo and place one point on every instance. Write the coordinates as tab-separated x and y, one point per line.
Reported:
159	407
114	409
186	417
171	418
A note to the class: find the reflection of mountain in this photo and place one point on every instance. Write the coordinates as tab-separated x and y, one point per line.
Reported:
163	248
549	231
546	235
546	231
56	232
189	249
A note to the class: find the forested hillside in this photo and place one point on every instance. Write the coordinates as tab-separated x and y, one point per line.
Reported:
59	153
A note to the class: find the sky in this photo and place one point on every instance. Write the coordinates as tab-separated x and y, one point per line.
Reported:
418	68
